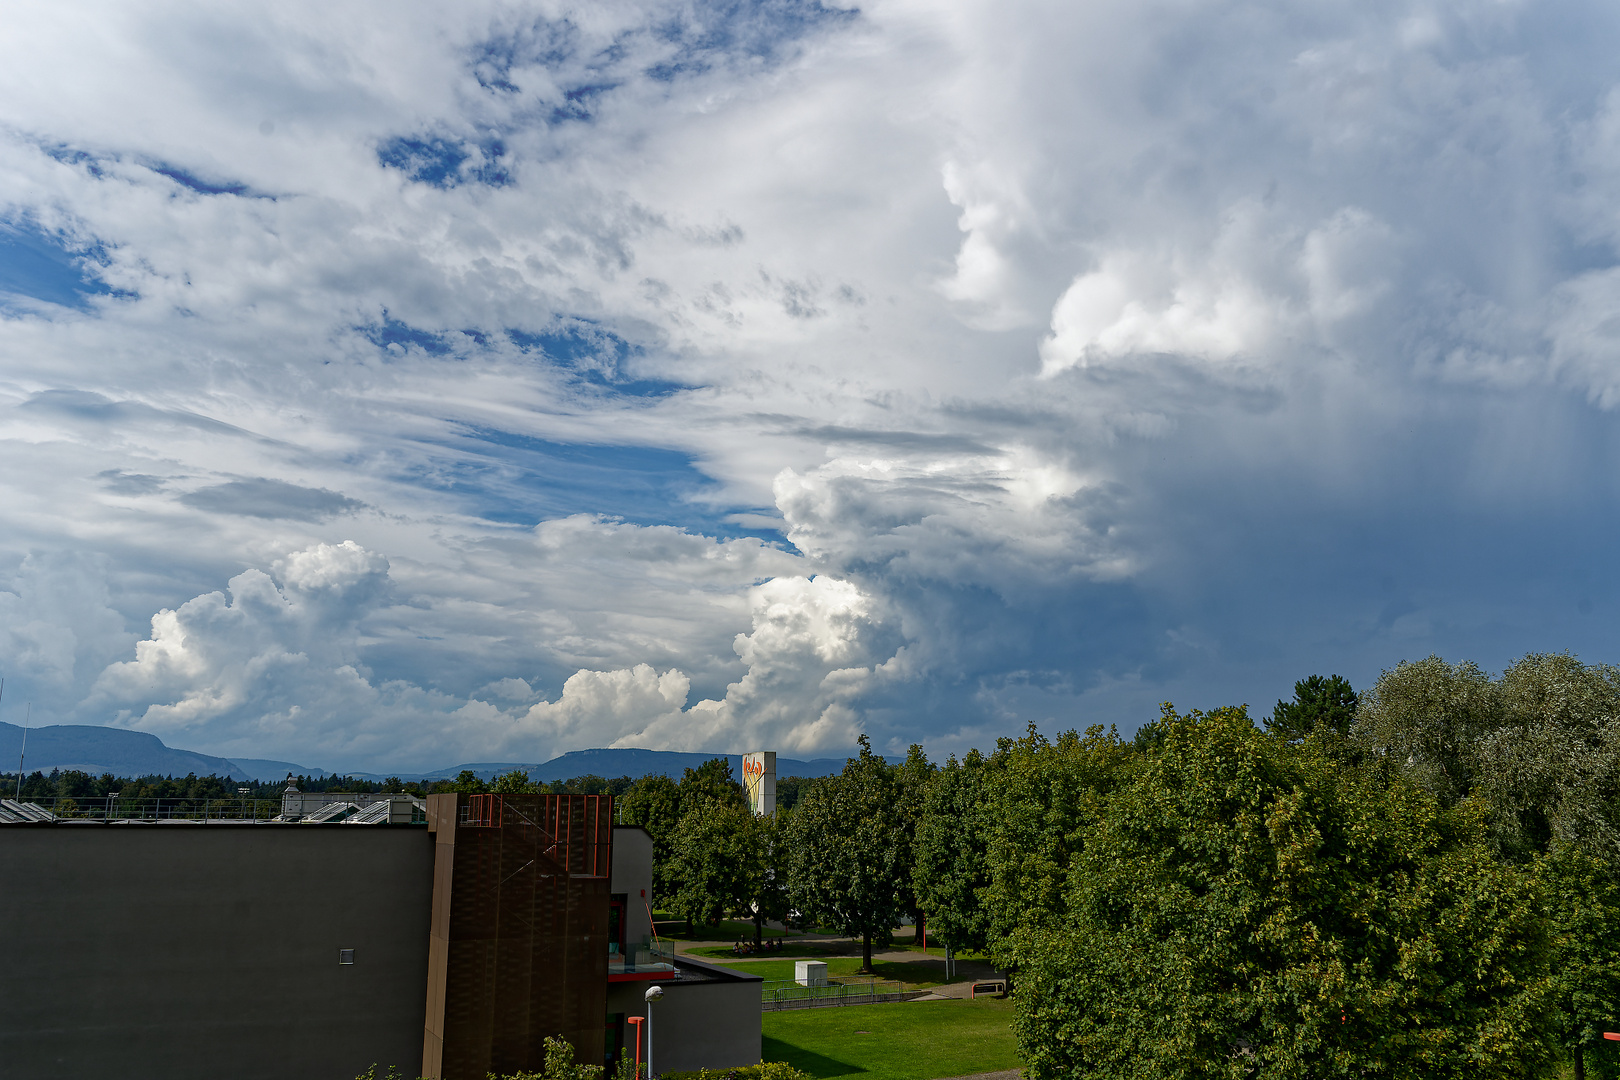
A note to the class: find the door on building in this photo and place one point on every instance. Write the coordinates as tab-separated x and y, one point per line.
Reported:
613	1043
617	926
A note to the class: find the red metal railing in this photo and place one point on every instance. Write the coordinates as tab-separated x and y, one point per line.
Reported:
483	812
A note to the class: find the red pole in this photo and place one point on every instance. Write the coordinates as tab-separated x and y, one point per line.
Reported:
636	1020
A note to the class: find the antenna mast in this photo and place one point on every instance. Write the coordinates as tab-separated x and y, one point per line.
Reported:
24	752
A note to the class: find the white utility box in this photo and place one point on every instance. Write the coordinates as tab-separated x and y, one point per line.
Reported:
810	972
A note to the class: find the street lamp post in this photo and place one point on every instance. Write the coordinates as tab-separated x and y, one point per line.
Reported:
653	994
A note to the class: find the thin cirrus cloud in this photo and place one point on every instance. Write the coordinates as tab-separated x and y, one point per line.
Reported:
405	387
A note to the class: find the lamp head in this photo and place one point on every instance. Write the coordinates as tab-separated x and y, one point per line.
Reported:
653	994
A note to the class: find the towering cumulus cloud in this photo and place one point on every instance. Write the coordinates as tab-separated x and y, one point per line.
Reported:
387	386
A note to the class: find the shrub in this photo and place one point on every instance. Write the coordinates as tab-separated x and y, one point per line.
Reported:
765	1070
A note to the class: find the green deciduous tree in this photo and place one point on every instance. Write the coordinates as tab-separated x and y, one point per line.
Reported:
1550	769
849	850
1048	798
912	779
950	852
654	803
999	833
1247	908
788	789
768	885
1539	749
711	782
713	856
1427	718
1584	913
467	782
515	782
1540	746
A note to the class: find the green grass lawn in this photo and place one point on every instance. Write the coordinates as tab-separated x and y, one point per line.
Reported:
903	1040
724	953
729	930
910	944
918	974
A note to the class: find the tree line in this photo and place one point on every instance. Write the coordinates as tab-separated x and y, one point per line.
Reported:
1422	880
81	785
1418	881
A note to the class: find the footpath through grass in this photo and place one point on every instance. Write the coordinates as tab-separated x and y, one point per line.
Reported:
914	974
903	1040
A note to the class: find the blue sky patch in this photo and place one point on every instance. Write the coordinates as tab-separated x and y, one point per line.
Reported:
46	266
196	183
579	102
521	480
755	29
547	43
577	343
700	37
67	155
393	332
446	163
595	354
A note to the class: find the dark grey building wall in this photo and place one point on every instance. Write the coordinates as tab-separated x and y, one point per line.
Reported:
710	1020
206	952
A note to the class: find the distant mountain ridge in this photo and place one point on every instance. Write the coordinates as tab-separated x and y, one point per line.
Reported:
98	750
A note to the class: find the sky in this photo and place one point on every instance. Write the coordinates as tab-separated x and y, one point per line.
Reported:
390	385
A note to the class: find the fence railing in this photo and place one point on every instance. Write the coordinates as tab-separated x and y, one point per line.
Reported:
177	809
786	994
647	956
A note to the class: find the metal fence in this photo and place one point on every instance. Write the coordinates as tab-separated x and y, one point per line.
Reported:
786	994
64	808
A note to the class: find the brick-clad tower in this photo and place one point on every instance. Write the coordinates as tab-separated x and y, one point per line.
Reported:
518	948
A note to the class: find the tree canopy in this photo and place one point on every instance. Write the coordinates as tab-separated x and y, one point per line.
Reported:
1319	704
849	851
1245	908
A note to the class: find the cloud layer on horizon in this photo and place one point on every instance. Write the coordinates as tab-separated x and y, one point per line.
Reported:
392	388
